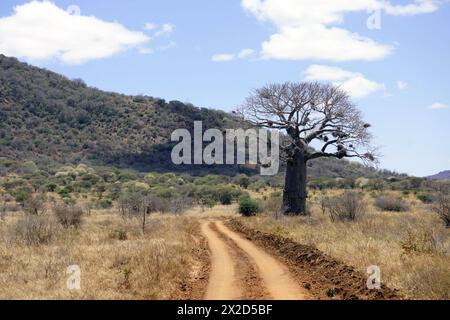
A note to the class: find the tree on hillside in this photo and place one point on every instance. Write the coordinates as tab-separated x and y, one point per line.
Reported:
311	115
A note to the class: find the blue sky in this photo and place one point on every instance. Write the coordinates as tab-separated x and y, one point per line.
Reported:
212	53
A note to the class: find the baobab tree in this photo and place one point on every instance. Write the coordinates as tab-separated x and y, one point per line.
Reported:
318	120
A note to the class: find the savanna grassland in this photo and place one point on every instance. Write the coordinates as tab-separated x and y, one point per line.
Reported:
136	235
411	246
116	259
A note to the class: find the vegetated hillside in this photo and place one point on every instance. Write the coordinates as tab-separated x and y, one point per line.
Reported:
49	119
52	121
443	175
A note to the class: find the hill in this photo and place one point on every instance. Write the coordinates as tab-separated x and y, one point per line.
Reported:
53	121
50	119
443	175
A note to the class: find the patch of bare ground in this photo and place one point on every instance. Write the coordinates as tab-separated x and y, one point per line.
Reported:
324	276
194	287
247	275
242	270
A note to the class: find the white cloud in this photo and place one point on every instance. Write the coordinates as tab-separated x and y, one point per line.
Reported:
354	83
245	53
222	57
166	28
360	87
418	7
402	85
438	105
320	73
150	26
39	30
305	27
319	42
158	31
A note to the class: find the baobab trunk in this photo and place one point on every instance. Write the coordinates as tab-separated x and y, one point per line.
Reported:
294	195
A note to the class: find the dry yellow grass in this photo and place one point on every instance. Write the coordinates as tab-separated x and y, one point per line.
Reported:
411	248
219	211
142	266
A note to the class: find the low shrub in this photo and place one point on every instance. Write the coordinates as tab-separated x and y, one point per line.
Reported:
273	206
418	242
33	230
425	197
442	207
35	205
248	206
226	198
103	204
68	215
207	202
276	194
179	205
51	187
347	207
118	234
391	203
65	192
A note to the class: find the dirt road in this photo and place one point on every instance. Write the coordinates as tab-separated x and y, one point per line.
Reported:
242	270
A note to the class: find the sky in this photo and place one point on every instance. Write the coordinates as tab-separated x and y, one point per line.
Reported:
392	57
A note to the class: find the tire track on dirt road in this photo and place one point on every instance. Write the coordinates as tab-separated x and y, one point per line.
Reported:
247	276
227	280
221	284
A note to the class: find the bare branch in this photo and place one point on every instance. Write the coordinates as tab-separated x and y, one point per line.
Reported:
309	112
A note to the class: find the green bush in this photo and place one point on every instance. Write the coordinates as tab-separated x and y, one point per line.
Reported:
207	202
21	196
248	206
257	186
103	204
322	183
225	194
225	198
65	192
425	197
243	181
51	187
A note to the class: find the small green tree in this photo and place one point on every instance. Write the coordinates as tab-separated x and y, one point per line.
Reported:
248	206
51	187
243	181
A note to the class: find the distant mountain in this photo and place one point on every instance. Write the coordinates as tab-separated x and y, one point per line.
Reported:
50	121
443	175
